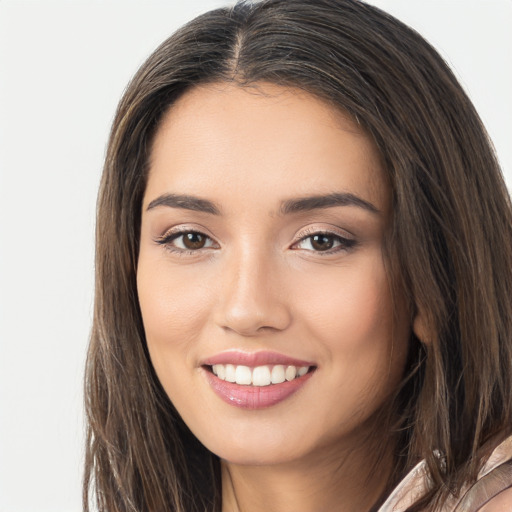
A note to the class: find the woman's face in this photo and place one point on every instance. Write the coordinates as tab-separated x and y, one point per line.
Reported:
261	261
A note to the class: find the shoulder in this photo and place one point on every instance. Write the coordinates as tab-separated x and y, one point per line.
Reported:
492	491
500	503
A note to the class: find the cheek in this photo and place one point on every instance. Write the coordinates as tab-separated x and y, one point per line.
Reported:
351	316
174	309
354	307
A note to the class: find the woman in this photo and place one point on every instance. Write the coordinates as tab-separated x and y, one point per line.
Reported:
303	275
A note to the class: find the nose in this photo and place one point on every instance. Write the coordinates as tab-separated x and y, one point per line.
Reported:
252	297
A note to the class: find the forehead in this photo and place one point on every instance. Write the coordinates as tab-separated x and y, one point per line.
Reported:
266	142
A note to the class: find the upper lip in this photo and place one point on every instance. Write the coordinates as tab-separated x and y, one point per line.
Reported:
253	359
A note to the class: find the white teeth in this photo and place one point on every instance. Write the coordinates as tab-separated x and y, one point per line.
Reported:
243	375
230	373
290	373
260	375
278	374
302	371
219	370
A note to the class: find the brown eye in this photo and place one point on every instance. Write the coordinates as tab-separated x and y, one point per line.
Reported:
322	242
325	242
187	241
194	241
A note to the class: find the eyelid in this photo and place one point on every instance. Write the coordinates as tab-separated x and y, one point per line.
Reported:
329	230
183	228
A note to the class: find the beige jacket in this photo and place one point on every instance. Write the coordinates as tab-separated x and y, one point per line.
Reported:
494	478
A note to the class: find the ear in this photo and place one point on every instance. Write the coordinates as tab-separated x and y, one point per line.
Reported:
420	329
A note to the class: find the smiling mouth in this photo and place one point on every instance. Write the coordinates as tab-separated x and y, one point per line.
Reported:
259	376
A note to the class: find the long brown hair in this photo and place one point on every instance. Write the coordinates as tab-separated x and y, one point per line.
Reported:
449	247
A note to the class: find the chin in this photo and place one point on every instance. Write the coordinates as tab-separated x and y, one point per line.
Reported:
256	450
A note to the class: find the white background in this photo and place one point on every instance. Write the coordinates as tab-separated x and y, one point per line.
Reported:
63	67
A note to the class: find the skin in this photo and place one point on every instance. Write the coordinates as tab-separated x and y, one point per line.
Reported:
260	284
502	503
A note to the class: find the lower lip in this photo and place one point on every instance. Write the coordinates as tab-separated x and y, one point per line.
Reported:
255	397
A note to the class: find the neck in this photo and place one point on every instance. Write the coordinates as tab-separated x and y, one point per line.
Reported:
343	481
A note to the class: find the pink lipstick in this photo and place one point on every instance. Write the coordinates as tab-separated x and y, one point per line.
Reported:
256	380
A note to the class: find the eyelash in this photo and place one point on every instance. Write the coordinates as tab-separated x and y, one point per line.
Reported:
169	237
344	244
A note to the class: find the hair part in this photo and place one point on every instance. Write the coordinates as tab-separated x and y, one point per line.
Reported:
449	246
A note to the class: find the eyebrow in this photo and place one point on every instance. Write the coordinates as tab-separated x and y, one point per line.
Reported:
185	202
326	201
303	204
